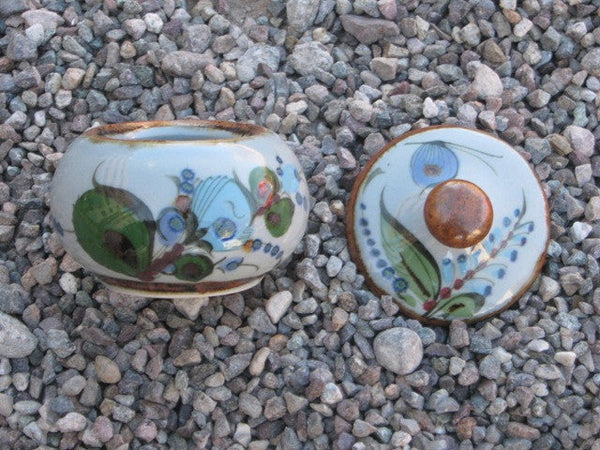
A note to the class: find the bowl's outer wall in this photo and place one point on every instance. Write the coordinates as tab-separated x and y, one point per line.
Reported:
239	191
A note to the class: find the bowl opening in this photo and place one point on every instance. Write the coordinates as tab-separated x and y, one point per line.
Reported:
173	133
178	131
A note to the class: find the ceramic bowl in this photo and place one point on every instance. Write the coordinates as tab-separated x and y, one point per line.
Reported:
179	209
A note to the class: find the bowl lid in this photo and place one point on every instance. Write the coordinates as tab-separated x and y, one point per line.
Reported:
451	222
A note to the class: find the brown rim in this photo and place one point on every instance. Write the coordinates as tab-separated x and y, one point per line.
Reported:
357	258
203	288
107	133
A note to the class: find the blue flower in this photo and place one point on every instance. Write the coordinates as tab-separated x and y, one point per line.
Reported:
506	221
224	228
400	285
231	264
388	272
501	273
432	163
186	187
256	244
222	208
171	226
299	198
381	263
275	250
187	174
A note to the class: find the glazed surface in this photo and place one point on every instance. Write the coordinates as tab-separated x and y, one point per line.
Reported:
181	211
445	275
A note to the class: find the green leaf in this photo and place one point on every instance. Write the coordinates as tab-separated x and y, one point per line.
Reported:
115	228
463	305
278	217
193	267
409	257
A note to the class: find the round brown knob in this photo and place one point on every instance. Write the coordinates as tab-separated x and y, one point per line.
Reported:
458	213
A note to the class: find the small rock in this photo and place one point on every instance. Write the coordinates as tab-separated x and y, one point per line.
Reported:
107	370
487	83
549	288
581	139
248	63
307	272
69	283
48	19
331	394
74	385
242	434
20	47
154	23
362	429
197	38
182	63
522	431
190	307
459	336
277	305
399	350
384	68
257	365
6	404
16	341
591	62
367	30
310	58
579	231
103	428
71	422
146	430
301	14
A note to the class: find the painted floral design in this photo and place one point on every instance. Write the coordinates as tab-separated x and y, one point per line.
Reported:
208	217
457	284
433	163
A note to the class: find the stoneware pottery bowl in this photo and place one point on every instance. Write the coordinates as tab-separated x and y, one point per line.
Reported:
179	209
451	222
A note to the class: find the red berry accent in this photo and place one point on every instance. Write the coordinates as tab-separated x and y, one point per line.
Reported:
429	305
445	292
458	283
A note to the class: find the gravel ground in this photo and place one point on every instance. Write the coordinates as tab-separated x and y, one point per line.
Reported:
299	361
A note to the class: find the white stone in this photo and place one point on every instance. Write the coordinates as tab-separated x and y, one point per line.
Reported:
278	305
154	23
190	307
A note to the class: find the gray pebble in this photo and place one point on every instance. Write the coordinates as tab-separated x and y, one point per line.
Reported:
399	350
16	341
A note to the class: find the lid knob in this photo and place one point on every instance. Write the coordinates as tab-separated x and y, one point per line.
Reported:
458	213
